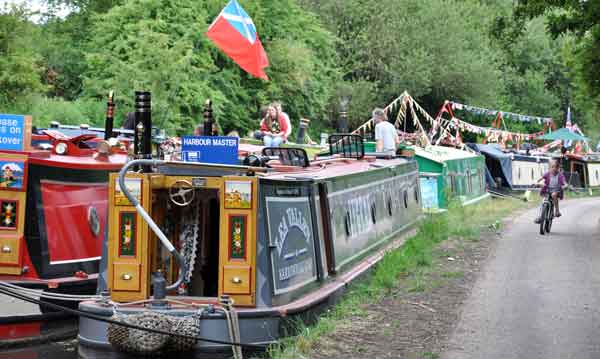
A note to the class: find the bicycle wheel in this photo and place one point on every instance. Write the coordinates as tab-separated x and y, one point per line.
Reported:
543	217
548	219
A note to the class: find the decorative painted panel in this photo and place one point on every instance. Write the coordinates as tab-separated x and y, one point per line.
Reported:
8	214
127	234
238	232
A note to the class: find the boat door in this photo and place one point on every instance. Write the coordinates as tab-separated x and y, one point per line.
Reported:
237	254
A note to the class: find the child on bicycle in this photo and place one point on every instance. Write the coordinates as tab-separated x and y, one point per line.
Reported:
554	184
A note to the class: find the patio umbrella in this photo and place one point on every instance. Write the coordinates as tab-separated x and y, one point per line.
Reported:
562	134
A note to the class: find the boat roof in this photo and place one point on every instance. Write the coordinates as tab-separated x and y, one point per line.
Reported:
495	151
113	162
332	167
441	154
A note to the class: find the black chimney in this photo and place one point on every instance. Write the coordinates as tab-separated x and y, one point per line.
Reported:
110	115
208	119
143	124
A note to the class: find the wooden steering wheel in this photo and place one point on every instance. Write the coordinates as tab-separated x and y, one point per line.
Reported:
181	193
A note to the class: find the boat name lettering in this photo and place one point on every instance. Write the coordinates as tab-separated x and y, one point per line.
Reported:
293	218
360	215
295	269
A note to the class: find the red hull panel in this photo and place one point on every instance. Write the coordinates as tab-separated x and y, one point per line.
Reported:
66	211
18	331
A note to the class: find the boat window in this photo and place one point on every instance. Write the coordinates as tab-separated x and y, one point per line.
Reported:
519	173
416	195
347	223
349	146
405	199
389	205
532	174
288	156
373	213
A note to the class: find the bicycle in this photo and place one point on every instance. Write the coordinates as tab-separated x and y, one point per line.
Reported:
547	215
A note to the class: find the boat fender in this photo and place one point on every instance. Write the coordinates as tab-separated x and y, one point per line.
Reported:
141	342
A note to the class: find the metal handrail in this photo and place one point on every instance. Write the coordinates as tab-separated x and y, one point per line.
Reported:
138	207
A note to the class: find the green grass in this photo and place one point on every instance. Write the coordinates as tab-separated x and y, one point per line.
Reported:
412	260
582	193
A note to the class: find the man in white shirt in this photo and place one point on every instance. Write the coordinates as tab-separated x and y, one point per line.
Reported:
386	136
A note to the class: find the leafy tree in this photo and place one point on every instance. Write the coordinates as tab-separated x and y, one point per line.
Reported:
434	49
20	73
159	46
581	18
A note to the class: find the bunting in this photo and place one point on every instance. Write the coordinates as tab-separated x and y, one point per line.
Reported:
508	115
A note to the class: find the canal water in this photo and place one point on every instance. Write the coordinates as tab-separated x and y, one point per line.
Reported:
61	350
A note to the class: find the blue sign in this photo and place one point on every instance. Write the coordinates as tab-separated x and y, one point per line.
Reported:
429	192
12	132
207	149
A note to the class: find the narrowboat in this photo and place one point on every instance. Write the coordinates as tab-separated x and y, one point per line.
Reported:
583	170
231	252
447	172
53	213
516	170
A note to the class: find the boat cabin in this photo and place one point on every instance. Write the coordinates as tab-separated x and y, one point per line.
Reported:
585	168
446	173
513	170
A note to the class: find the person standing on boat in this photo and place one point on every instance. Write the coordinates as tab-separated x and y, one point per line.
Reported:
273	127
386	136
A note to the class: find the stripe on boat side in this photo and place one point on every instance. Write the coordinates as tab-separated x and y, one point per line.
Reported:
76	260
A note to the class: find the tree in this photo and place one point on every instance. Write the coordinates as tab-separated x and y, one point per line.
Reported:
578	17
159	46
20	73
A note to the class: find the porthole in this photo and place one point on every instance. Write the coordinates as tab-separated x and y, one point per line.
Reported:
405	199
373	213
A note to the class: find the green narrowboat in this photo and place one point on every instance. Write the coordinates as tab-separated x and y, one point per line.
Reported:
446	172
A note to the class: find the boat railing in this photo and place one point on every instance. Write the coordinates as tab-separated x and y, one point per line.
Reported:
347	145
288	156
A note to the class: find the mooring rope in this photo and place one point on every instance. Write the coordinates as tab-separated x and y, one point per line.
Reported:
14	294
49	295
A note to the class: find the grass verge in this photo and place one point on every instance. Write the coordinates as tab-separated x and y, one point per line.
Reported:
414	257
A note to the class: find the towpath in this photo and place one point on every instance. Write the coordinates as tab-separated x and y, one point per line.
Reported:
537	296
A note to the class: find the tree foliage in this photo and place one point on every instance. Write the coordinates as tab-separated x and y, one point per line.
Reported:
20	73
492	54
159	46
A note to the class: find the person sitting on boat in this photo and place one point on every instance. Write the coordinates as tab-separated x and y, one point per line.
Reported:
554	184
273	128
279	109
386	136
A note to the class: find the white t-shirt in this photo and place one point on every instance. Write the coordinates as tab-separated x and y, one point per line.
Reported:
387	132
